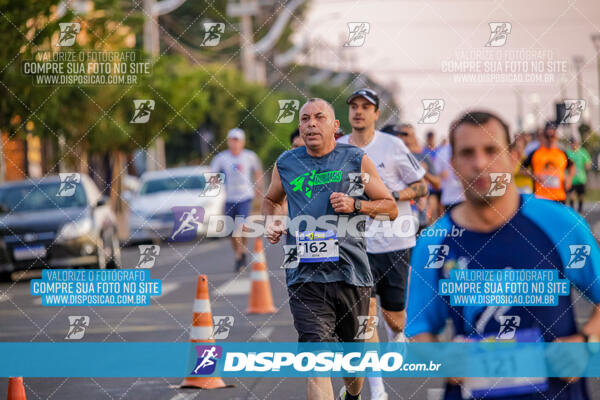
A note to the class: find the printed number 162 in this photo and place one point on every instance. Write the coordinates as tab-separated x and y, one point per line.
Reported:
313	247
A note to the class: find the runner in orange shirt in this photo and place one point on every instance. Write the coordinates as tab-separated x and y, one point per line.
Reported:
550	168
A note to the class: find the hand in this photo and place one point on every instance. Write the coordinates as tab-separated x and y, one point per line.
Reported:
458	380
274	232
567	361
568	185
341	203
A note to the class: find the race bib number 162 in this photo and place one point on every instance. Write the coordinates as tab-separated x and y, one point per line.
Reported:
315	246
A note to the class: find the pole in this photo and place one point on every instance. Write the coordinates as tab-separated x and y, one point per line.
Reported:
578	62
248	61
519	96
598	67
596	42
155	153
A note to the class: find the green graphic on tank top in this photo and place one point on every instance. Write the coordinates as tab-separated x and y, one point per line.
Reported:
305	182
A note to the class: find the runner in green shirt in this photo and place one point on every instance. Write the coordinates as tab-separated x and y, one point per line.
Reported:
583	162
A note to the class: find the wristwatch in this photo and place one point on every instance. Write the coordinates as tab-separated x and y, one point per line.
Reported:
357	205
395	195
593	342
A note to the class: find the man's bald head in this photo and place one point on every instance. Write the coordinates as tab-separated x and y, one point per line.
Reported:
320	101
318	126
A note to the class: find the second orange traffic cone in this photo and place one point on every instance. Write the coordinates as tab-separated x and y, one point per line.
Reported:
261	298
202	331
16	390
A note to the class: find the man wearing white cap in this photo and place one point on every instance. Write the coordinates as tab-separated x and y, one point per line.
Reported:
243	182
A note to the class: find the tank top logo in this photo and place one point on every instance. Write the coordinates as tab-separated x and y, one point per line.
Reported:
305	182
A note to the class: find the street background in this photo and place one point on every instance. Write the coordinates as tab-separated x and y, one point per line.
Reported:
199	87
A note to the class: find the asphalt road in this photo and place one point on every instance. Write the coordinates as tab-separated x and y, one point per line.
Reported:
168	318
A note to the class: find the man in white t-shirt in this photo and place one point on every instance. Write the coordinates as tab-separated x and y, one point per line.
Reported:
243	182
389	254
452	190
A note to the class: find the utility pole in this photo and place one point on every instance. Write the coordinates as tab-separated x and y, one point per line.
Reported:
253	71
245	9
519	95
155	153
596	41
253	67
578	61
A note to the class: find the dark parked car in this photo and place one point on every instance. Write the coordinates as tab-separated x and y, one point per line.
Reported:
49	223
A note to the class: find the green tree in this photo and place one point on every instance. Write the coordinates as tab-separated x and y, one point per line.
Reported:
25	27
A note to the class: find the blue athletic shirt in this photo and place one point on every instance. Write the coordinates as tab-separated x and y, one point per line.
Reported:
538	236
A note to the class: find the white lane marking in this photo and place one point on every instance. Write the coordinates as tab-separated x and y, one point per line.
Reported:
186	396
177	254
435	394
4	297
263	333
235	287
168	288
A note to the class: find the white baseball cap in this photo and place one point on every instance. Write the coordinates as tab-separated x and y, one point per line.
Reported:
236	133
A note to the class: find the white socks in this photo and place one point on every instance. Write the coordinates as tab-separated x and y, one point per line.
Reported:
376	384
391	334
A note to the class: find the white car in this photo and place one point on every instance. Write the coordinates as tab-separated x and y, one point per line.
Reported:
151	217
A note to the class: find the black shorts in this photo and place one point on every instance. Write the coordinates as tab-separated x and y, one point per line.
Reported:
328	312
578	188
390	273
435	193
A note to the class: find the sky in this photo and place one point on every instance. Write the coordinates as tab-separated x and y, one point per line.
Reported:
426	50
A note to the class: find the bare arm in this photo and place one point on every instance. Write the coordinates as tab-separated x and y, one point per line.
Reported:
380	200
424	337
571	169
434	180
259	185
527	168
413	191
592	326
275	197
273	205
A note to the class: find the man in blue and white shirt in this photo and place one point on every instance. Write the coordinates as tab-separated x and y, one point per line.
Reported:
496	233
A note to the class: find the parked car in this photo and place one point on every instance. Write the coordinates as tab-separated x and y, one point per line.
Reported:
151	217
46	223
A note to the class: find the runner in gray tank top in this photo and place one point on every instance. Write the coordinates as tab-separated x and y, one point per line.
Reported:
327	269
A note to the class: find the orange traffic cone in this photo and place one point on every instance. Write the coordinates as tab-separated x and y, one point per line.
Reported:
261	299
16	390
202	331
